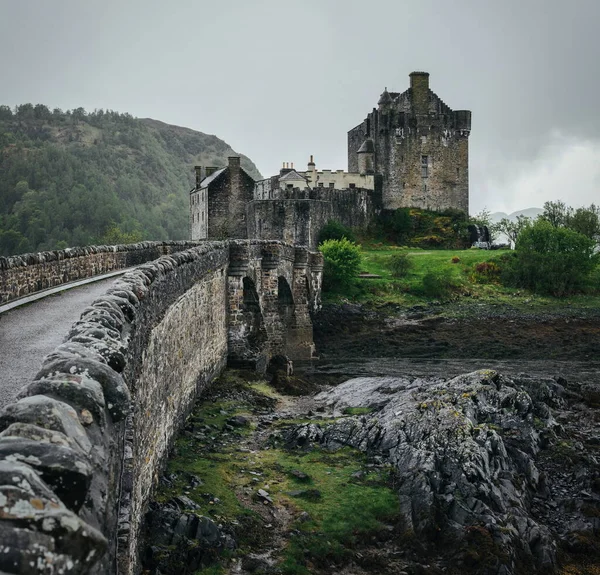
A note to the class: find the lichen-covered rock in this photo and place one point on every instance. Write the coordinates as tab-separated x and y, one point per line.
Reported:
39	535
115	390
78	389
65	470
49	413
463	451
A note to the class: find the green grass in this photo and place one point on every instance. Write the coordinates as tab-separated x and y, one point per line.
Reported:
344	509
349	510
357	410
408	290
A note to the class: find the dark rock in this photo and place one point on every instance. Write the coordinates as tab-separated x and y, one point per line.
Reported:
78	389
299	475
463	452
310	494
178	538
116	392
64	469
49	413
239	421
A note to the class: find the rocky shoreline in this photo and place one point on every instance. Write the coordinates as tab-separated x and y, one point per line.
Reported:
491	473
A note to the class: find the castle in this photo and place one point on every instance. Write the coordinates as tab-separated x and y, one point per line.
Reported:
410	151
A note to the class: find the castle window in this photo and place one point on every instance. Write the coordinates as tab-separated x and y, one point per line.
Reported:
320	184
424	187
424	166
332	184
352	185
457	172
290	186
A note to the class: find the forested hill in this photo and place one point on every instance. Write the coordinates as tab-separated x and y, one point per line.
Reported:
77	178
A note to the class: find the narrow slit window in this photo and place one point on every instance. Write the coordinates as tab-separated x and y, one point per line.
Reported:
424	166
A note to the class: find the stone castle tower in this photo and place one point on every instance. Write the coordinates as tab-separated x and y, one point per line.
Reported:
419	145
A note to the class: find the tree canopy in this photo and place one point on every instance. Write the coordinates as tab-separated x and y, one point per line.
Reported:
80	178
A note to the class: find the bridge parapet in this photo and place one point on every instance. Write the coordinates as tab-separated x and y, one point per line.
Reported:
25	274
82	448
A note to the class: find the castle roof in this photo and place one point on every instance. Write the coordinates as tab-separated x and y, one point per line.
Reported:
292	175
210	179
367	147
385	98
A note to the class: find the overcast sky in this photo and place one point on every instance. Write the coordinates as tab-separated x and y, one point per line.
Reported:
282	79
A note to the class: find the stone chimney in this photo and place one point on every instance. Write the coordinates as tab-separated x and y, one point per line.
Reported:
198	170
419	85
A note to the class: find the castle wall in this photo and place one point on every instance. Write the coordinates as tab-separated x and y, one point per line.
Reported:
198	214
27	274
298	220
179	345
356	137
421	148
227	199
338	179
82	448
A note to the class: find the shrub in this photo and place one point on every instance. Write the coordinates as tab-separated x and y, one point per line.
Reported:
342	262
486	272
550	260
334	230
455	260
442	285
400	264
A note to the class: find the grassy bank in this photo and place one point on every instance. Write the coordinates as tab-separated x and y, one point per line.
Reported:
333	503
458	265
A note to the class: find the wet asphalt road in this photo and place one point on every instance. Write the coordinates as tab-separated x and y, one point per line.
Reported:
29	333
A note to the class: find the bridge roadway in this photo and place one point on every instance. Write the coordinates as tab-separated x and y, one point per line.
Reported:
30	332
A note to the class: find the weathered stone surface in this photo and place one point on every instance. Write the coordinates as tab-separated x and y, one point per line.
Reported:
40	536
183	540
115	391
49	413
78	389
463	451
164	326
28	273
64	469
40	434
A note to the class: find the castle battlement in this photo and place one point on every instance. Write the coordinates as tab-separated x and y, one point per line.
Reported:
426	162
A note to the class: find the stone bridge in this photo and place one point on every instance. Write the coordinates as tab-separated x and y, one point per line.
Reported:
83	447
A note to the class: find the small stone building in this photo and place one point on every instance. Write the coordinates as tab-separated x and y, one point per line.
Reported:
419	146
218	202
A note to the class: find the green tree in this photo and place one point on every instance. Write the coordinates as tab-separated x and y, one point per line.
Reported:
512	228
586	221
334	230
556	213
342	262
550	260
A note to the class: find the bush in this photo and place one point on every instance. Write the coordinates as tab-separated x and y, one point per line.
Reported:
334	230
485	273
400	264
455	260
550	260
342	262
442	285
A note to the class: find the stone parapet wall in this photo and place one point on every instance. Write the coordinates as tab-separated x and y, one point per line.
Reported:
84	445
23	275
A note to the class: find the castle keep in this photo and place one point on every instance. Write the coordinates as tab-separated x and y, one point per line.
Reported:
419	146
412	151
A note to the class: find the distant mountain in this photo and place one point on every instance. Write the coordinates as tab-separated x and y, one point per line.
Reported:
77	178
529	212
